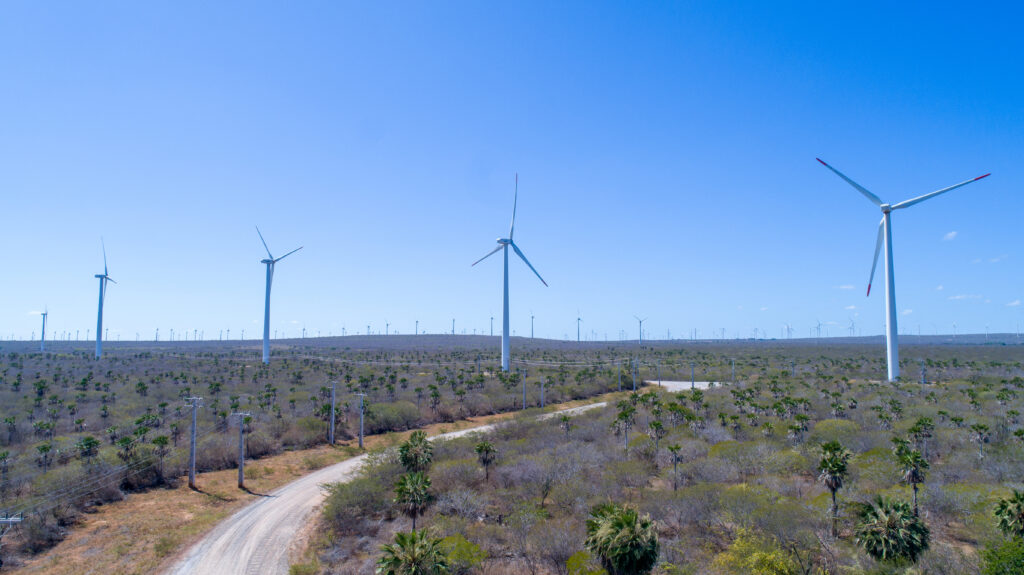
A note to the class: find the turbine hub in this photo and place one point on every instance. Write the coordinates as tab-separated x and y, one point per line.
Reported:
504	241
266	261
886	208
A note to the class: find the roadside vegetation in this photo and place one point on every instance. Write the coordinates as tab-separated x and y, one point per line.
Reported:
808	473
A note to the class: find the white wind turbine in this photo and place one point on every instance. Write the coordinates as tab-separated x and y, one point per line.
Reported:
270	261
104	278
503	244
42	340
885	237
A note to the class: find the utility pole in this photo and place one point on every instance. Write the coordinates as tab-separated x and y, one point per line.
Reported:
524	391
195	403
362	410
242	417
330	434
693	379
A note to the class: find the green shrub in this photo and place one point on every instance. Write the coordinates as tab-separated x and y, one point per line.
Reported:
463	555
398	416
1003	558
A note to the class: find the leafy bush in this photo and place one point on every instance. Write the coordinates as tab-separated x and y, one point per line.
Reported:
1003	558
463	555
397	416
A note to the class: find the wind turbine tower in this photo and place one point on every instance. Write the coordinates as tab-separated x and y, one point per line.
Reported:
104	278
503	245
270	262
885	238
641	322
42	339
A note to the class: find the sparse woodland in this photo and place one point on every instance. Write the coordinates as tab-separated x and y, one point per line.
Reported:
721	476
733	480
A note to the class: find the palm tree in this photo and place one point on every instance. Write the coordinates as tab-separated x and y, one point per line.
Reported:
889	531
413	553
833	470
1010	514
412	494
913	465
416	453
161	449
676	458
980	435
486	454
625	542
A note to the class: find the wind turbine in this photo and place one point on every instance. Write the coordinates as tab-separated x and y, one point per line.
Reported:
503	245
270	262
578	321
641	322
42	339
885	237
104	278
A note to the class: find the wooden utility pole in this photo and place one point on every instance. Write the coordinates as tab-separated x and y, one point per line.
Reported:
195	403
241	447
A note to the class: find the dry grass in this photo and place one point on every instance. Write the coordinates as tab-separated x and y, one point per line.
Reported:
146	531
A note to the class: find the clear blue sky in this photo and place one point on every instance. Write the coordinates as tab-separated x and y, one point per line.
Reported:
665	153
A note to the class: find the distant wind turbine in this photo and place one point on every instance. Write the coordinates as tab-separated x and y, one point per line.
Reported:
104	278
42	340
641	322
270	262
885	237
503	244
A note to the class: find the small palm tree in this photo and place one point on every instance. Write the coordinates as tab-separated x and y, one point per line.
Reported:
416	453
625	542
913	466
888	530
486	454
833	471
161	447
980	435
1010	514
676	458
412	494
413	553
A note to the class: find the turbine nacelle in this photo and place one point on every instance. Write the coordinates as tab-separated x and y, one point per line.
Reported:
886	208
504	241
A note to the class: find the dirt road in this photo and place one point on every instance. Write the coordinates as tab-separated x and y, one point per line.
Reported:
257	540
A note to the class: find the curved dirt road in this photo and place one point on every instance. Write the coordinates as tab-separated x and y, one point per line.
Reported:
257	539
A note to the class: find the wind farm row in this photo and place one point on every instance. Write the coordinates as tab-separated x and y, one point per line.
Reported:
883	245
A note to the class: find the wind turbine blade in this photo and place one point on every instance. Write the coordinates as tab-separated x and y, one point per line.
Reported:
288	254
271	256
104	246
917	200
489	254
861	189
109	280
878	248
515	200
520	254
